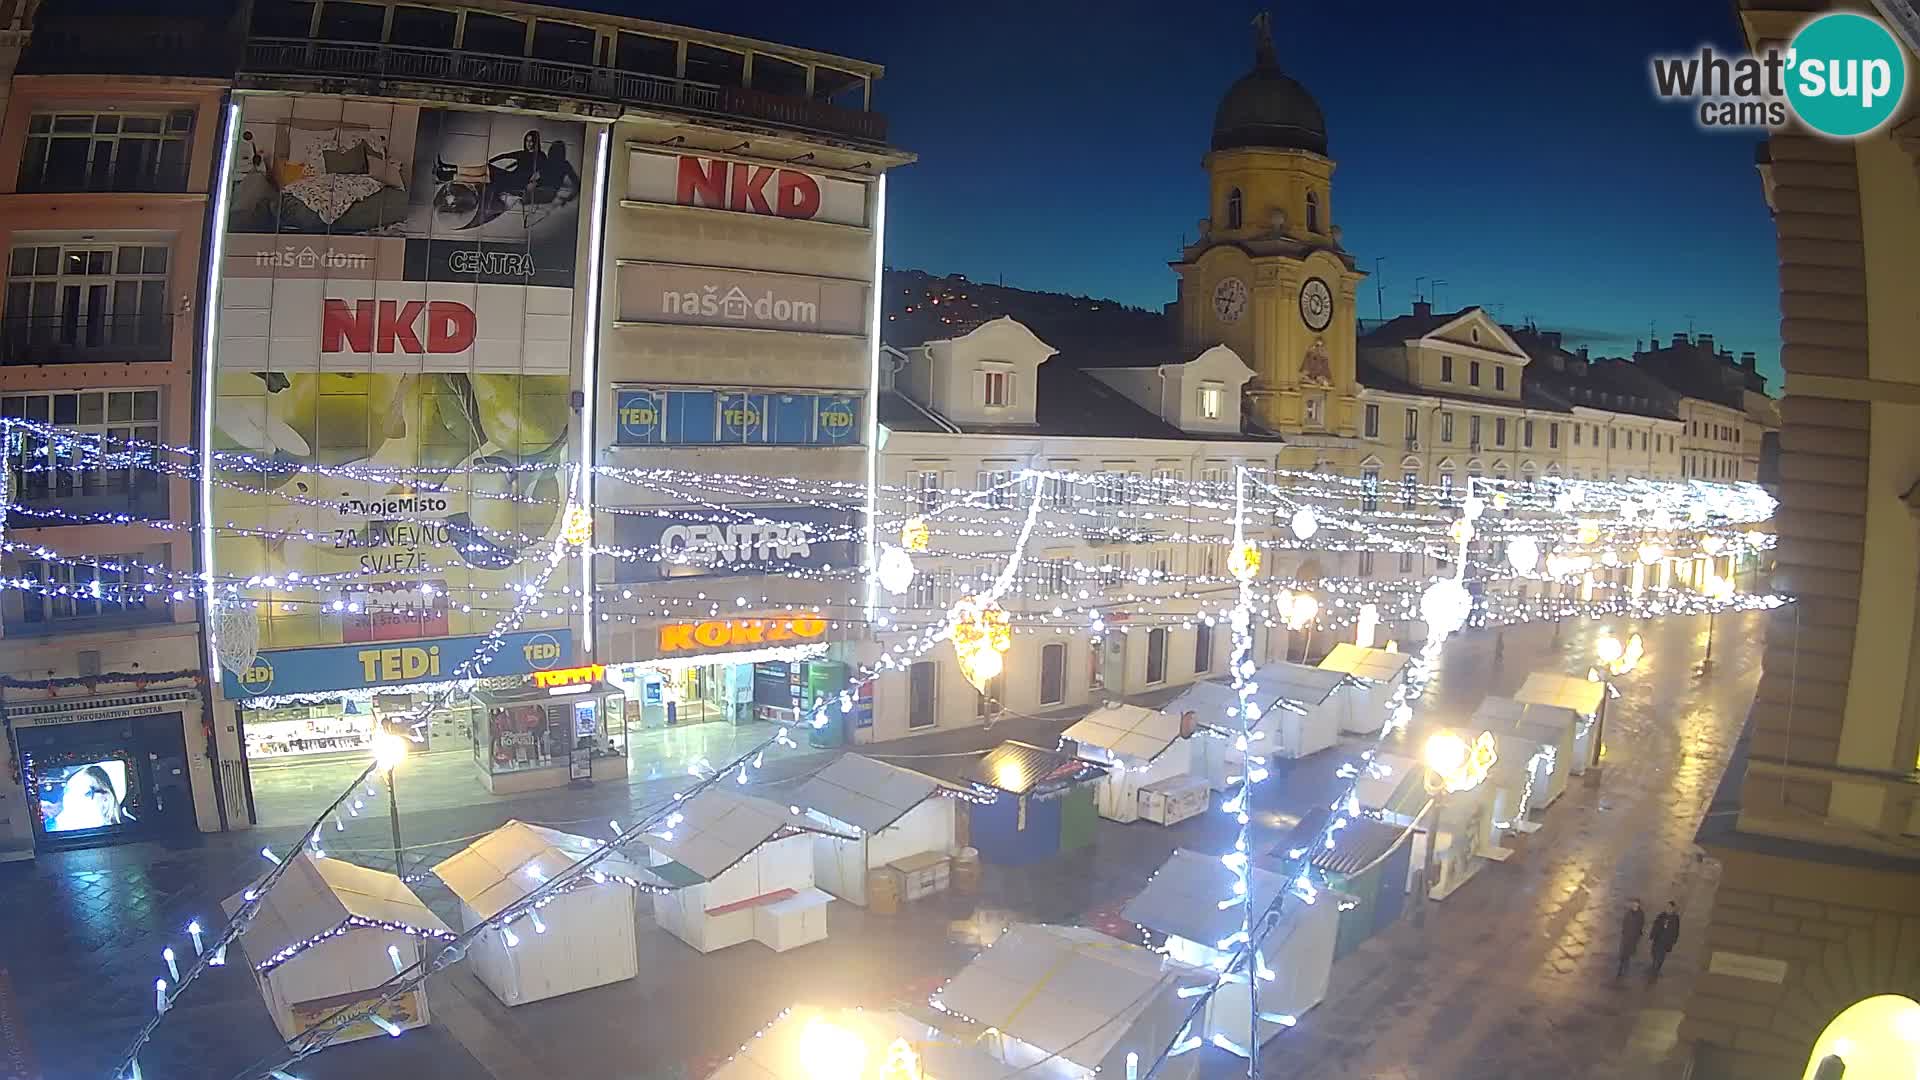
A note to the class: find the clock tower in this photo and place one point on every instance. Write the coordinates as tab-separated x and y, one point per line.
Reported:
1267	276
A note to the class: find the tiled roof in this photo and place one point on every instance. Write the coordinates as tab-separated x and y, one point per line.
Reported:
1409	327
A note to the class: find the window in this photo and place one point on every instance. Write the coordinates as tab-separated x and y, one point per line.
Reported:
1313	212
1576	434
996	389
1596	433
1056	493
1553	436
1373	421
1207	562
1210	396
1162	557
1370	489
993	699
1446	427
1473	432
998	486
1526	434
1409	488
1499	431
101	586
424	28
1096	671
107	151
1473	373
922	679
1156	655
1366	564
1316	410
1203	648
719	67
1446	484
1612	438
1446	369
1055	577
495	34
1406	562
1213	474
1235	209
78	482
1499	377
926	485
1053	674
923	592
88	302
1413	427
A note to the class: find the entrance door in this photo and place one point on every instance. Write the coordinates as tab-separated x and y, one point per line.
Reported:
107	781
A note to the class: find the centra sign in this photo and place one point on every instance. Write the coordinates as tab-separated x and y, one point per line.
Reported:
739	633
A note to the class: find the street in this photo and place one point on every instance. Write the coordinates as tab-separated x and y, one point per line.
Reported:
1510	976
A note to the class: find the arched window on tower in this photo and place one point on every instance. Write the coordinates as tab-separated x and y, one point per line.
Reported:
1234	209
1313	212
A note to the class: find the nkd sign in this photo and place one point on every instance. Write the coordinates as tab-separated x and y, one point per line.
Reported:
712	296
744	187
394	326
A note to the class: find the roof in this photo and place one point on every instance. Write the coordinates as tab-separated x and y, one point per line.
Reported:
317	896
1208	701
1019	768
1129	731
1358	844
867	794
1575	692
1074	993
498	870
718	828
1284	680
1506	716
1404	328
1377	665
1183	898
782	1050
1388	790
1374	377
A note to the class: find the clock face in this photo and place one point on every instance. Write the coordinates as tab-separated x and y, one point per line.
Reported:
1230	299
1316	304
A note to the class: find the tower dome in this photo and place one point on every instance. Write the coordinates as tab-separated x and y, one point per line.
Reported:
1267	107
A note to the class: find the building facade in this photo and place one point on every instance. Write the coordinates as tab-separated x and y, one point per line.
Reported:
1814	824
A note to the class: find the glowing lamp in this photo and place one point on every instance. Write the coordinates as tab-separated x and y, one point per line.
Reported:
1523	554
389	749
1453	764
1717	588
1651	553
1303	523
1499	500
1473	507
1301	610
982	635
1243	562
828	1051
1875	1036
1445	606
1713	545
576	527
895	570
1587	532
914	534
1461	530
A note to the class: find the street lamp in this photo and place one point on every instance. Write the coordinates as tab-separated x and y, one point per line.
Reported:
1719	590
1616	658
1452	765
389	750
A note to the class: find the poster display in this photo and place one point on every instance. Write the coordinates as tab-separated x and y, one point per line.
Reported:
83	795
398	294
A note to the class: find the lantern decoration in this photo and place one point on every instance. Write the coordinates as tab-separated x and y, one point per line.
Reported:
1473	507
1523	554
1243	562
1651	553
1455	765
895	569
1713	545
1588	532
1461	530
1499	500
1299	610
576	526
1303	523
982	635
1619	657
1444	607
914	534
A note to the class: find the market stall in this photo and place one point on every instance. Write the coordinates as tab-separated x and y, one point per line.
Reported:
891	814
1150	755
1585	698
327	936
741	869
582	937
1370	861
1067	1003
1182	901
1391	787
812	1043
1375	676
1299	715
1042	804
1549	728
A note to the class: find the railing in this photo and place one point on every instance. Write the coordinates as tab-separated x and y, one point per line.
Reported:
146	179
347	59
66	495
106	339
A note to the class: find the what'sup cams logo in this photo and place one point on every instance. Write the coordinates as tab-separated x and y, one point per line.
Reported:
1843	75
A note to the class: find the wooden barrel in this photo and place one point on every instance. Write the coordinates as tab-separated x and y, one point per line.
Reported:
966	871
883	891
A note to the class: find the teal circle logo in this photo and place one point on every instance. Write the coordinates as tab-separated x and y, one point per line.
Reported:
1846	74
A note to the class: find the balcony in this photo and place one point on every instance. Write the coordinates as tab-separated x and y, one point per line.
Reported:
373	61
134	178
43	500
106	339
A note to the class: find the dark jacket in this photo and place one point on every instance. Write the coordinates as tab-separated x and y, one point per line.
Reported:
1632	925
1666	930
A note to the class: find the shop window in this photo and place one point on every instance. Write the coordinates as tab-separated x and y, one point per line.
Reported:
1156	656
922	680
717	67
78	483
89	591
106	151
1203	649
1053	674
423	28
993	700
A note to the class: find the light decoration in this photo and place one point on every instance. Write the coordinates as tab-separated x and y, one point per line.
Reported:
1618	657
1243	562
828	1051
1461	531
1444	607
1650	553
1455	765
389	749
982	634
914	534
1713	544
576	526
1717	587
1523	554
1303	524
1366	625
895	569
1299	610
1587	532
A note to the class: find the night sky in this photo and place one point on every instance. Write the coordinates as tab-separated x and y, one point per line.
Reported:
1518	155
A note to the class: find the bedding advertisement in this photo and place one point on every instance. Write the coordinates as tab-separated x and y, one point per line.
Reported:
398	294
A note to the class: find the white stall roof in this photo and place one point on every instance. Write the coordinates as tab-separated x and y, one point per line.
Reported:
1074	993
1129	731
1542	723
867	794
1378	792
1283	680
500	868
785	1049
1576	692
317	896
1378	665
1209	702
719	828
1183	897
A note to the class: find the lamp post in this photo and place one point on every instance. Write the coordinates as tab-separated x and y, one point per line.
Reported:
1616	658
1718	589
389	750
1452	765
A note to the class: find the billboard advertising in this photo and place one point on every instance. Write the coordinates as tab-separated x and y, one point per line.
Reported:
720	296
744	187
763	540
398	294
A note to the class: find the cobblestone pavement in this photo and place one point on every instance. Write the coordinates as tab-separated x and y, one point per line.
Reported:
1511	976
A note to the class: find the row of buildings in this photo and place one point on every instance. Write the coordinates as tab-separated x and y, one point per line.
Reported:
480	246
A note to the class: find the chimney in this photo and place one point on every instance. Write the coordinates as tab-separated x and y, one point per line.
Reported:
1705	341
1552	338
1583	354
1679	340
1747	360
1422	308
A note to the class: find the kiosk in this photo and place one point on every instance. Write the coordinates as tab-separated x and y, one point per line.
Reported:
879	814
740	869
567	726
1376	675
1585	698
1549	729
1041	805
1149	753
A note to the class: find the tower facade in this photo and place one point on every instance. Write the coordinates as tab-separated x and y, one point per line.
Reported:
1267	276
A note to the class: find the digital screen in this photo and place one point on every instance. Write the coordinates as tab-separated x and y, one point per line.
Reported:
90	796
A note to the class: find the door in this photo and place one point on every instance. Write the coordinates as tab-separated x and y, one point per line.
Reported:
1053	674
1113	664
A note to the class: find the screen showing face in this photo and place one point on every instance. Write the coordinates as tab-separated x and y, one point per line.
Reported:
92	796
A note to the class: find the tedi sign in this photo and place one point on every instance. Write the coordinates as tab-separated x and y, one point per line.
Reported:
393	326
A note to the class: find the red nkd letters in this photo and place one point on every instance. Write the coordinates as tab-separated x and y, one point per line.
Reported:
735	185
387	326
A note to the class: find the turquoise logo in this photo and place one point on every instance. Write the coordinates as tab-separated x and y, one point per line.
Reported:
1846	74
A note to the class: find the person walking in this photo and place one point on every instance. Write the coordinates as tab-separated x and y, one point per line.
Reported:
1632	925
1665	935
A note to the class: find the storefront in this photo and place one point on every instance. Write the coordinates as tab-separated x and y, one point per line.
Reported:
107	769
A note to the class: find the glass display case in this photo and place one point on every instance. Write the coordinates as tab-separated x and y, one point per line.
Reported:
532	730
297	731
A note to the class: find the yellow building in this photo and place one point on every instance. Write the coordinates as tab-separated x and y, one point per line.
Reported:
1819	900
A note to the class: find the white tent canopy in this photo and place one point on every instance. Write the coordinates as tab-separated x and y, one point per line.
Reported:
1375	674
502	867
315	897
718	828
1585	697
862	1044
1213	705
1077	996
1131	732
1392	785
1146	747
867	794
895	813
1545	726
1297	713
1183	898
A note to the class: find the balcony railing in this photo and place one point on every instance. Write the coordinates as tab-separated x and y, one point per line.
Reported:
62	497
137	178
105	339
348	59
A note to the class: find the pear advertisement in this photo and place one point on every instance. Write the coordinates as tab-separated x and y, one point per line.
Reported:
396	337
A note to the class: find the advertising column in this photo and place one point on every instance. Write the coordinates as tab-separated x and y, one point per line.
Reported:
396	347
